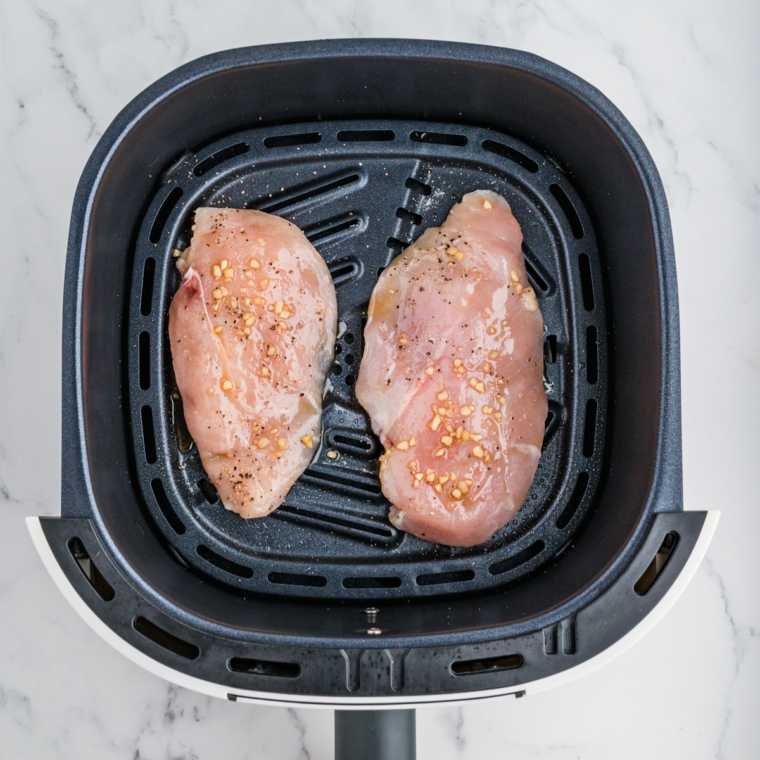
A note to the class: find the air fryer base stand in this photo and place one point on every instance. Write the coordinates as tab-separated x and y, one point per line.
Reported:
375	735
379	728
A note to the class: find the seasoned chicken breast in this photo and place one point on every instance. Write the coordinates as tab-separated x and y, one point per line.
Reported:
452	376
252	330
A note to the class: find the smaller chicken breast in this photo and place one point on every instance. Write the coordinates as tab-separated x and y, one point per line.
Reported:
452	376
252	330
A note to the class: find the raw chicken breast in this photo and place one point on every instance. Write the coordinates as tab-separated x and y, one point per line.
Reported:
452	376
252	330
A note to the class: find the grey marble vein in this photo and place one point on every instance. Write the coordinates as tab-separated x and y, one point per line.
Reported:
299	725
69	77
460	743
742	636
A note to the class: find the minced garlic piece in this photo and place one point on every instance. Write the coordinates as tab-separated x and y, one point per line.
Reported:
528	299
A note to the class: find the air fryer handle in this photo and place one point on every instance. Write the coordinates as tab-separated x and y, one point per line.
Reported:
375	735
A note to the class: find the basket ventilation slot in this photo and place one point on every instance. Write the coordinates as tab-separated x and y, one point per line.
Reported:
418	187
436	579
575	501
487	665
337	480
164	213
345	270
220	157
568	210
165	639
589	428
363	529
224	564
90	570
352	443
149	276
553	419
331	228
264	667
527	554
303	193
657	565
296	579
285	141
207	488
587	287
537	272
165	506
372	582
535	277
144	360
184	440
510	153
550	349
367	135
149	435
592	357
396	245
438	138
408	216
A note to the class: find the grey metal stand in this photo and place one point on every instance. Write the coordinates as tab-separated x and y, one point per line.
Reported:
375	735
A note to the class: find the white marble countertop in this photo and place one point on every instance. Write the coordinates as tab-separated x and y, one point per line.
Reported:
686	75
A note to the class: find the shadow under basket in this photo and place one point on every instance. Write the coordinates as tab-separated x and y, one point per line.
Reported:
364	144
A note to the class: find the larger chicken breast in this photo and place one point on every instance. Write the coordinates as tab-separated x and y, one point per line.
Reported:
452	376
252	331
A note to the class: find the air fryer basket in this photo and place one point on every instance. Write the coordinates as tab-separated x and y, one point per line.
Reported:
364	144
362	190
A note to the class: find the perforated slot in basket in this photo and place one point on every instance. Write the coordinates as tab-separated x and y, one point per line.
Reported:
90	570
304	193
166	640
264	667
220	157
486	665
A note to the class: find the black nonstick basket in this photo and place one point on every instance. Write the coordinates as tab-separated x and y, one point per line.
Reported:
364	144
